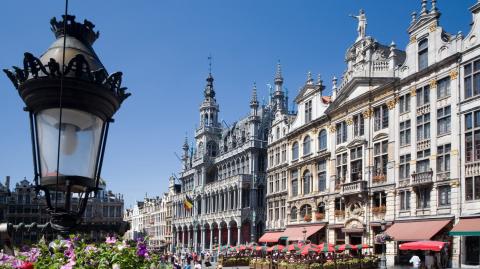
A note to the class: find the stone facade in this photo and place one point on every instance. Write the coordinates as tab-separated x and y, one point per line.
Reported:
21	205
224	175
397	141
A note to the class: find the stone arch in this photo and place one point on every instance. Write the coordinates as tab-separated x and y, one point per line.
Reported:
233	232
306	210
245	232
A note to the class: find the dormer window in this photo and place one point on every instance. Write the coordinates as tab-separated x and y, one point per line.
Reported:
423	54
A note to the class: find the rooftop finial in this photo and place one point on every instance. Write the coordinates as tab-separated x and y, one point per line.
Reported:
309	78
424	7
334	81
185	143
434	6
254	93
414	17
319	80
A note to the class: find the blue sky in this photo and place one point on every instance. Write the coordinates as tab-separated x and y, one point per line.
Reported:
162	48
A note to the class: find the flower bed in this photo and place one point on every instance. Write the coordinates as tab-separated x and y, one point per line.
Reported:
75	252
235	261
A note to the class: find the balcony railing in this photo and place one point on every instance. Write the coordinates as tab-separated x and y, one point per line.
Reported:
354	187
422	178
472	169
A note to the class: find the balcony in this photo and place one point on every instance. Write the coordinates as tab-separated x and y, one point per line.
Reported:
354	187
422	178
424	144
472	169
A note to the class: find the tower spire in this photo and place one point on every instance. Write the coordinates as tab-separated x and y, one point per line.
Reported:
254	101
278	75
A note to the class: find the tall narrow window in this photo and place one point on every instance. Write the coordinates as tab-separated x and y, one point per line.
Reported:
423	95
404	103
306	145
308	111
405	133
358	125
284	180
322	140
307	179
341	169
471	79
443	120
356	164
295	151
293	214
443	87
341	128
284	153
294	175
443	158
404	200
444	194
322	175
423	197
423	127
380	159
422	54
472	136
472	188
381	117
404	168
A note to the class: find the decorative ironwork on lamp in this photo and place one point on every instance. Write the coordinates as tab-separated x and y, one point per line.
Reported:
71	100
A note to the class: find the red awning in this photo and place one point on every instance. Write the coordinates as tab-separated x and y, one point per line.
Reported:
467	227
423	245
270	237
297	233
416	230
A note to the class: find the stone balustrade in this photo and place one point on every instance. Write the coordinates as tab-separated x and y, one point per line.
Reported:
472	169
354	187
421	178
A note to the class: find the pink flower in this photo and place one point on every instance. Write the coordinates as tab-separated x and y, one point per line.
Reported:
68	265
111	240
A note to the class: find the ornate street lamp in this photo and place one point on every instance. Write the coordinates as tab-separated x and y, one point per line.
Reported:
383	259
71	100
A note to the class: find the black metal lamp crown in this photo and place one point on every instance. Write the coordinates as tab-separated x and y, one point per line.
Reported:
71	100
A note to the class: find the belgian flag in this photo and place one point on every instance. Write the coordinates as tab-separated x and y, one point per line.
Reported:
188	203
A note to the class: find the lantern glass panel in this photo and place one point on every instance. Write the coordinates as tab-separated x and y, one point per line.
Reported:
79	142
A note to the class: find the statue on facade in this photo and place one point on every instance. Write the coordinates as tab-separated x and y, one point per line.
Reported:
362	24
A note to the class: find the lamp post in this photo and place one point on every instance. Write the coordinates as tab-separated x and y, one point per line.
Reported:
71	100
383	259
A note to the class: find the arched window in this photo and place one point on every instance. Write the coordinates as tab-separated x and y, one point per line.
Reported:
305	210
423	54
293	214
278	133
212	148
306	145
295	151
322	140
307	182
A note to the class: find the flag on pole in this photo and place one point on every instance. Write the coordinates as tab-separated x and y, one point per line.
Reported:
188	203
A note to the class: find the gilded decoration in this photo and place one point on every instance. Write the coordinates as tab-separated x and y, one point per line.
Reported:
453	74
391	104
413	91
454	152
413	39
432	27
332	128
455	183
349	121
433	84
433	157
367	113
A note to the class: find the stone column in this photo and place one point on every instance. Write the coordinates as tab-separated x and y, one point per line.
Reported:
211	237
240	206
203	238
235	199
219	237
239	233
229	235
195	238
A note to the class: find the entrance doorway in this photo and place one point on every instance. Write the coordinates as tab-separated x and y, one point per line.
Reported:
355	239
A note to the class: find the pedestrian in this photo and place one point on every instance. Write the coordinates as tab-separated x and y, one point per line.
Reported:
429	260
415	261
197	265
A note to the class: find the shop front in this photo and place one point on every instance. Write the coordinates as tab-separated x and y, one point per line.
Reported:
418	230
468	229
